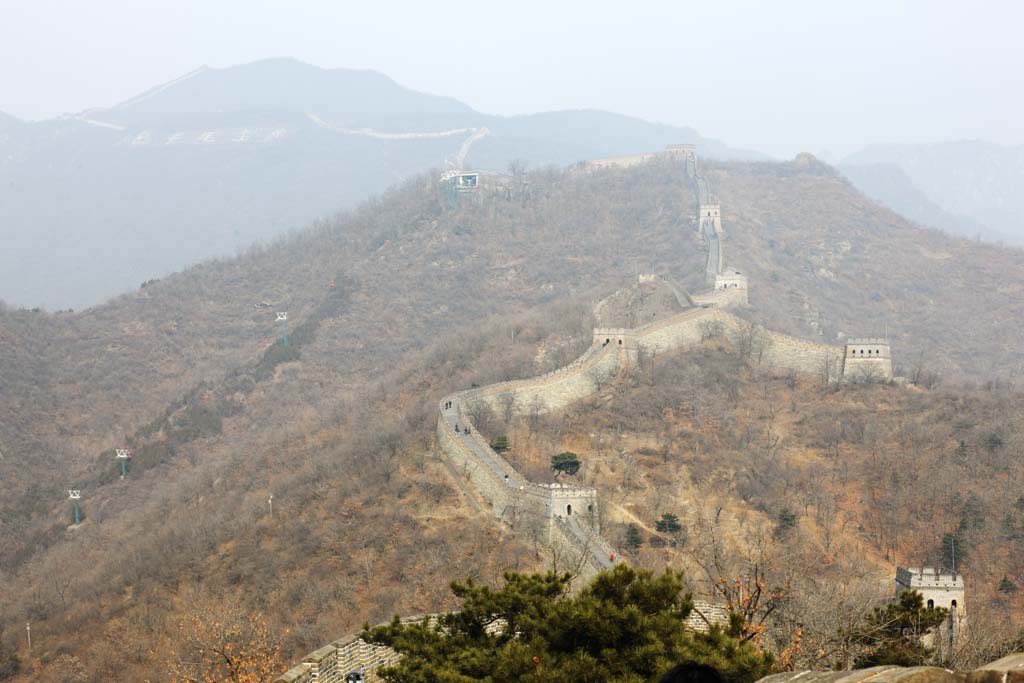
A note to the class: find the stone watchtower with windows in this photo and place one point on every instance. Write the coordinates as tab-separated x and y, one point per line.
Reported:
939	588
867	359
710	219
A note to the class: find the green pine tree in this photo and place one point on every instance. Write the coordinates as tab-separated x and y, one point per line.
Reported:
566	461
626	626
784	523
10	665
634	539
893	633
500	444
668	524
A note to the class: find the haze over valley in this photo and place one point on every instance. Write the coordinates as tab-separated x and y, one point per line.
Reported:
289	351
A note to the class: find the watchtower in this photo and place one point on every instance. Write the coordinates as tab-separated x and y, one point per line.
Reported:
688	153
710	219
461	182
456	183
867	358
939	588
731	287
683	150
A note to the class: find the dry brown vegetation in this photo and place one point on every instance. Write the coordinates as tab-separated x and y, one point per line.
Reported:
797	500
339	426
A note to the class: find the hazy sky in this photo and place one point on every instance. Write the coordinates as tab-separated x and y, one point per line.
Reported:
777	76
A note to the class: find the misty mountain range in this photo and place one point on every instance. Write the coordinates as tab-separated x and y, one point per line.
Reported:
95	203
974	185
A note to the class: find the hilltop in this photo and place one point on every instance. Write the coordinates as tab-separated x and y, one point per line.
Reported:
354	98
392	306
219	159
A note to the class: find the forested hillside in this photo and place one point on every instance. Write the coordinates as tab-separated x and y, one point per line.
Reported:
390	307
815	491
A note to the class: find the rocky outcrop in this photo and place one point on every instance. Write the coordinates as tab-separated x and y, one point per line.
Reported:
1009	669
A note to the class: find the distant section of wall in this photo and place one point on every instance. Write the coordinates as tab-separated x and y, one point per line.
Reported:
688	153
625	161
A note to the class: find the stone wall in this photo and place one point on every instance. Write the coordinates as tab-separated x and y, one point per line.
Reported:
625	161
554	390
331	663
686	152
511	497
772	349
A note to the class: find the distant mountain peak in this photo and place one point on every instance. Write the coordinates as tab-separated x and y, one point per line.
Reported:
283	85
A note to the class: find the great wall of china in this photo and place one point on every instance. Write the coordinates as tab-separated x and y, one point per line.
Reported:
566	516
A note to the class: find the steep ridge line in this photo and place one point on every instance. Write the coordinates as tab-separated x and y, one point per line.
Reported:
538	508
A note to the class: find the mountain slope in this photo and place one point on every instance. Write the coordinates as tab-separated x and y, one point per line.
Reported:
94	204
973	178
888	183
390	307
7	121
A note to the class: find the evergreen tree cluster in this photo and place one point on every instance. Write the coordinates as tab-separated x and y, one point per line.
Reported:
894	633
626	626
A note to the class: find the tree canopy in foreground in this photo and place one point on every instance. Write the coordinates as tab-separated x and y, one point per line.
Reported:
627	625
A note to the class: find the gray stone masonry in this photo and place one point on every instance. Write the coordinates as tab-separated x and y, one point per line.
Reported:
867	359
941	588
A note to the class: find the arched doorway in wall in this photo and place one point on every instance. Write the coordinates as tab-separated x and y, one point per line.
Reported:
568	510
931	604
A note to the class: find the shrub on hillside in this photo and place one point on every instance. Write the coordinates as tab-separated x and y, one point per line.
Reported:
566	461
10	665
